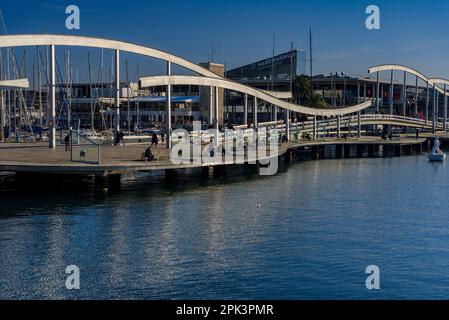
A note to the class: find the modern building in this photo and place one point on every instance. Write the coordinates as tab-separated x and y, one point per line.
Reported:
273	74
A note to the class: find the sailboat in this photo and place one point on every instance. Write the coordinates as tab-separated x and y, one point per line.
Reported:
437	154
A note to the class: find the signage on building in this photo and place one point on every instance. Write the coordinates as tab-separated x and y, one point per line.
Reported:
280	67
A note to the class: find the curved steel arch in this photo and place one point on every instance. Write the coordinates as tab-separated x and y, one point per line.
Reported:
398	67
82	41
17	83
231	85
208	76
438	81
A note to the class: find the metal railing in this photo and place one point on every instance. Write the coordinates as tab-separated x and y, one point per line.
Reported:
299	129
353	120
84	150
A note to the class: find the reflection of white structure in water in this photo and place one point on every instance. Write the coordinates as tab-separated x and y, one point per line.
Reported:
254	146
437	154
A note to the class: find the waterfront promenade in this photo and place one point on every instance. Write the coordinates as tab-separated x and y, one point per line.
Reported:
38	158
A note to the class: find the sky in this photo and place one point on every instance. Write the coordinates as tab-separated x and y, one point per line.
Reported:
413	32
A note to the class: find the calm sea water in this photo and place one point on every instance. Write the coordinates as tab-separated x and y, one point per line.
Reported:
307	233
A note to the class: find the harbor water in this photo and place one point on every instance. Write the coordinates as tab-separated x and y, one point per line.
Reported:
308	233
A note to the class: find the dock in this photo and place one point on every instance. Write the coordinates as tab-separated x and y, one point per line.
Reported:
117	160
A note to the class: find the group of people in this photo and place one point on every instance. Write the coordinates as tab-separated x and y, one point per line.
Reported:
120	139
148	154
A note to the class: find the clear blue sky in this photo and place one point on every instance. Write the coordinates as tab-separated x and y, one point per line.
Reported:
413	32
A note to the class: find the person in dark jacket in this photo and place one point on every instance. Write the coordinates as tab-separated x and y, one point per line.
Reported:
67	142
154	140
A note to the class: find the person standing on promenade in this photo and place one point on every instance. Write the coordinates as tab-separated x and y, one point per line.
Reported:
67	142
120	138
154	140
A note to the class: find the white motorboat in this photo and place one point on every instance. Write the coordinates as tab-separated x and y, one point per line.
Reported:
437	154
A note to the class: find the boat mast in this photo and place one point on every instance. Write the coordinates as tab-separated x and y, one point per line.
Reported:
103	125
68	88
9	94
110	98
39	85
92	110
138	98
272	74
311	68
47	70
127	96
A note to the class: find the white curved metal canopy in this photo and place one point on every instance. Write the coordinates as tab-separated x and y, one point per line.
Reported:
230	85
398	67
81	41
438	81
209	78
12	84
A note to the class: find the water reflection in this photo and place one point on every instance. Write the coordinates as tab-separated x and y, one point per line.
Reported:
308	232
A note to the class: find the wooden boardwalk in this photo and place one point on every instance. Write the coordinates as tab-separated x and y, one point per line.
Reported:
38	158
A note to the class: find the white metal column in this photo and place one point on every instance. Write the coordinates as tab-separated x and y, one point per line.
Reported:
168	118
427	103
256	124
434	109
2	104
416	97
117	94
52	118
211	105
2	117
437	109
245	116
217	122
377	93
404	95
359	124
445	109
392	92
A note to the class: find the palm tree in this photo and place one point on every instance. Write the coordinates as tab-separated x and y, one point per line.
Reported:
303	94
301	88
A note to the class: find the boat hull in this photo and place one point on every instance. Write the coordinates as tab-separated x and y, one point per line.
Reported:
437	157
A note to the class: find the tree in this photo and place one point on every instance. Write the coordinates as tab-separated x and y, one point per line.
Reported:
302	92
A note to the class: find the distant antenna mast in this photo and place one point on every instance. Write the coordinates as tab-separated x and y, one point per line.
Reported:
3	22
272	62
